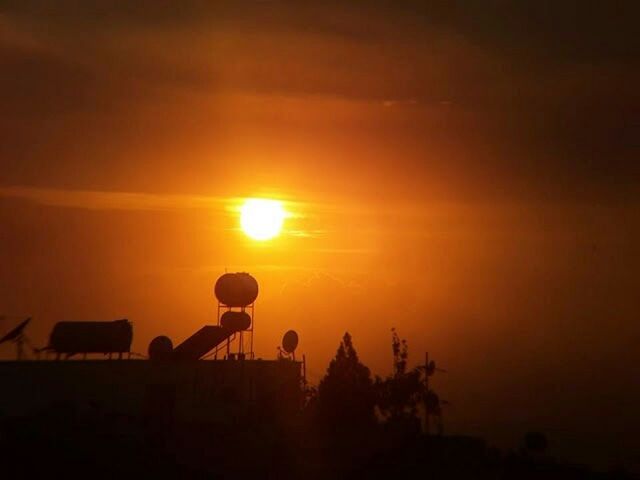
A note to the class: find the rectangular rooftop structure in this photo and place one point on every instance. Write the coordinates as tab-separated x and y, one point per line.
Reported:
216	391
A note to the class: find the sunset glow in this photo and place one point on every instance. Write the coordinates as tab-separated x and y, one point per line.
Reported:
464	173
261	219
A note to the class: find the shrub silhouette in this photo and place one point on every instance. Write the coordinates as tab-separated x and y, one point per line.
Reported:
535	442
346	395
399	395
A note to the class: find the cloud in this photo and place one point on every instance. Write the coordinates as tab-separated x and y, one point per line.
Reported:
96	200
535	96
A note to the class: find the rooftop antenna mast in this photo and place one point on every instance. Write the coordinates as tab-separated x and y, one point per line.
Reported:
432	403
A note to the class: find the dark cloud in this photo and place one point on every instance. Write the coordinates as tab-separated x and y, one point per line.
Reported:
543	91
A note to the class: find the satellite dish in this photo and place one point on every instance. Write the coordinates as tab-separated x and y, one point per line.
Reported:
160	348
290	341
16	336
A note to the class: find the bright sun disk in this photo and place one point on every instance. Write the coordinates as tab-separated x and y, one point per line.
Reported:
261	219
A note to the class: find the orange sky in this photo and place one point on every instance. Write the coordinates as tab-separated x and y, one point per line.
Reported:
472	183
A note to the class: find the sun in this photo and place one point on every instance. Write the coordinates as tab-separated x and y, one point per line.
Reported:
262	219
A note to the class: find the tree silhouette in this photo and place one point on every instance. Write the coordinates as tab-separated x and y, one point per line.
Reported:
346	396
399	395
535	442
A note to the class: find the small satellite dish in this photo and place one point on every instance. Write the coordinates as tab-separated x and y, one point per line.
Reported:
160	348
16	336
290	341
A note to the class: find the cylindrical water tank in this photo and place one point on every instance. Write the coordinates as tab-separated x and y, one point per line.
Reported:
235	321
91	337
236	289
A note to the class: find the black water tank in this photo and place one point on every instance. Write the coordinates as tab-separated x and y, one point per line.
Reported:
236	321
236	289
91	337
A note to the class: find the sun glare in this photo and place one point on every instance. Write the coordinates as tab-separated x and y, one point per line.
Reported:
261	219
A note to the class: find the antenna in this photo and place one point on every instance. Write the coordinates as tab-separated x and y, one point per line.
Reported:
17	336
432	403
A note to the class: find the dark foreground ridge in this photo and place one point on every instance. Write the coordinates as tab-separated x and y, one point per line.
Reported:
178	415
86	441
241	419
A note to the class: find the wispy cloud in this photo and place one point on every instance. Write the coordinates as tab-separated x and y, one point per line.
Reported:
101	200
